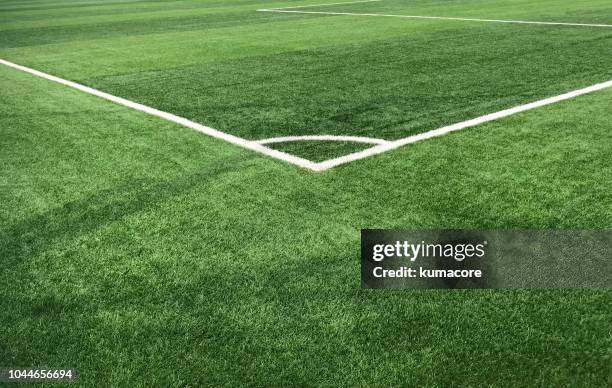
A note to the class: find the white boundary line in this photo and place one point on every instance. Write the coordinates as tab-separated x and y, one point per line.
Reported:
292	10
323	5
254	146
354	139
456	127
437	17
325	165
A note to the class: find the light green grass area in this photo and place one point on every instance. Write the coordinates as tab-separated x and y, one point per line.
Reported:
143	253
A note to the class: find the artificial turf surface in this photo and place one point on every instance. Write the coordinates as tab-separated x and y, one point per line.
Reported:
143	253
260	75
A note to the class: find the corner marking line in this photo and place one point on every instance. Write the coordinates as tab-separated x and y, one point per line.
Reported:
257	146
244	143
459	126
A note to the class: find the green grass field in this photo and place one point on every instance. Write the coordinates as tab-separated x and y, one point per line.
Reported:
143	253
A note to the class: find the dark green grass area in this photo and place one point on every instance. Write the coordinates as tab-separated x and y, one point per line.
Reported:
96	29
142	253
388	89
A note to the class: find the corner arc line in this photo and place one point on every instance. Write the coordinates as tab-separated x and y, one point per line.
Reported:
353	139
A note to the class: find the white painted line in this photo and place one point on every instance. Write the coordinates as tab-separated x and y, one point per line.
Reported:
436	17
325	165
354	139
254	146
323	5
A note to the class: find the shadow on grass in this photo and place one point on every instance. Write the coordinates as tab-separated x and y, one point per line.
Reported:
28	238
